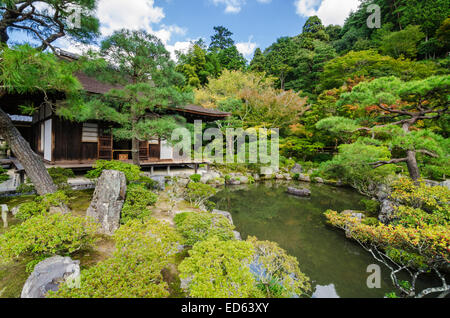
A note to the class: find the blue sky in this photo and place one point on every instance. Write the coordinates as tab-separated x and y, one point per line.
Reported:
255	23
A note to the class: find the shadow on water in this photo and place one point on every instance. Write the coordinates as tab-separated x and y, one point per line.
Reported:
336	265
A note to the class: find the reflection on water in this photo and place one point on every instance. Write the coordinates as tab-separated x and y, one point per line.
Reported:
336	265
325	292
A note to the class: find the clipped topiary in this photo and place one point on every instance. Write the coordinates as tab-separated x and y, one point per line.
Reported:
47	235
197	227
219	269
137	202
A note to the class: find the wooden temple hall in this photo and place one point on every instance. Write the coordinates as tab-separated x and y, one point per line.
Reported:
78	145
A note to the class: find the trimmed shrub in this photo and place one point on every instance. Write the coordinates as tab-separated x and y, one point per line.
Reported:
47	235
195	178
61	177
137	202
279	273
218	269
372	207
41	205
132	172
197	227
198	193
143	250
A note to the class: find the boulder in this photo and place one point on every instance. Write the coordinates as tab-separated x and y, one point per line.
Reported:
446	184
15	210
4	213
225	214
387	210
287	176
299	192
297	169
108	200
49	274
354	214
304	178
256	177
237	236
160	182
244	180
279	176
319	180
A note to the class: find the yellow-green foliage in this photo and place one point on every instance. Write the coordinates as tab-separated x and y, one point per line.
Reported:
143	250
132	172
137	202
41	205
197	227
432	242
418	195
220	269
281	268
199	193
47	235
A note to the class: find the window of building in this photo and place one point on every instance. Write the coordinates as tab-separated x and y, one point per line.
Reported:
90	132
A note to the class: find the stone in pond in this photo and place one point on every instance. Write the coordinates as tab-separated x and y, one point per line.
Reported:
49	274
109	197
299	192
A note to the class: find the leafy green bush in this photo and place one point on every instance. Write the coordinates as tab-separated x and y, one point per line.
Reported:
137	202
353	166
371	221
41	205
143	250
220	269
61	177
372	207
25	188
280	275
199	193
195	177
148	182
47	235
132	172
196	227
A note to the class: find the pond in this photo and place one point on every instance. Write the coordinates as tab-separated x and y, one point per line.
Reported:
337	266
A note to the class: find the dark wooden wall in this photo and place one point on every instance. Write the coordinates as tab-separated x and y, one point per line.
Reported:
67	142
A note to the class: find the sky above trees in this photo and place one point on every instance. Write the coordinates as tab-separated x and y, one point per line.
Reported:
255	23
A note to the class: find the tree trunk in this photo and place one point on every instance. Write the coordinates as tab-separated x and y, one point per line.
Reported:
413	168
135	152
32	163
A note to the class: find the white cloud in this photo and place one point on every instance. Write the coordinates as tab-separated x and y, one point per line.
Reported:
235	6
182	46
329	11
138	14
247	48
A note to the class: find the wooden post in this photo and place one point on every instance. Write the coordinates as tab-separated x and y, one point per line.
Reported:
196	168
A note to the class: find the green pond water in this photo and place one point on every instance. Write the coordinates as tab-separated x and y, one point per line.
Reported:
337	266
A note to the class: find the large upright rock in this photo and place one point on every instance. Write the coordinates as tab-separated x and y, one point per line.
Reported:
109	197
49	274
